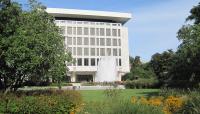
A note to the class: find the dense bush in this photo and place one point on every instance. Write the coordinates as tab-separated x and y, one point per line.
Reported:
182	84
36	83
142	83
40	102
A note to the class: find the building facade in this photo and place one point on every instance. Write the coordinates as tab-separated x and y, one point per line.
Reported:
91	36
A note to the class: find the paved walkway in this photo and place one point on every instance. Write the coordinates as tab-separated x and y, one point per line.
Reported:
76	87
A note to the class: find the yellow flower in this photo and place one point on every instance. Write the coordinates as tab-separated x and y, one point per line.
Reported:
144	100
133	99
173	103
155	101
71	112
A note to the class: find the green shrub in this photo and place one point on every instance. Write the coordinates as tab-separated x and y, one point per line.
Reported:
40	102
192	106
191	97
142	83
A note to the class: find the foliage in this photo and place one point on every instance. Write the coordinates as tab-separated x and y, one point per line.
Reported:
186	65
139	70
195	14
161	63
31	47
142	83
40	102
181	69
191	98
169	105
192	106
112	93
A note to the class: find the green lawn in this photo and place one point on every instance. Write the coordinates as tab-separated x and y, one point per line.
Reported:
98	95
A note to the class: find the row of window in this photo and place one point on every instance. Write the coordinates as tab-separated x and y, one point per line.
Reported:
90	62
93	41
79	51
87	22
91	31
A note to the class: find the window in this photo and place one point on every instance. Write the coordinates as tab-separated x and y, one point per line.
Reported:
97	31
102	33
79	41
74	61
102	41
86	51
79	31
92	61
69	49
120	52
69	40
62	30
92	41
120	62
102	52
69	30
97	61
108	42
86	31
74	40
114	42
109	51
86	22
108	32
92	53
115	52
114	32
92	31
117	62
119	32
79	51
97	51
119	42
86	61
79	60
74	51
74	30
86	41
97	41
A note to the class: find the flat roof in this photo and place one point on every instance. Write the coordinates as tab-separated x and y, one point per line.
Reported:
117	17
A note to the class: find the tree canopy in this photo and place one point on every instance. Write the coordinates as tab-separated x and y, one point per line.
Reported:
30	45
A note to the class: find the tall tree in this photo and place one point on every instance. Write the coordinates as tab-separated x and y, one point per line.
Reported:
186	65
34	50
161	63
195	14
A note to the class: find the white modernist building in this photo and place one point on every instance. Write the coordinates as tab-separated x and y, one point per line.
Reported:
91	36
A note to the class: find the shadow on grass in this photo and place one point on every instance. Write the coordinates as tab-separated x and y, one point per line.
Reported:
148	94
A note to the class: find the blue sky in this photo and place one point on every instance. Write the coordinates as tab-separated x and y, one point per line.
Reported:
154	25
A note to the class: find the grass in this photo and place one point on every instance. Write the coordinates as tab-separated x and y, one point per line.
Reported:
98	95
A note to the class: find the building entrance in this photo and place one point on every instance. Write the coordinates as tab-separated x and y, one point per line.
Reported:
84	78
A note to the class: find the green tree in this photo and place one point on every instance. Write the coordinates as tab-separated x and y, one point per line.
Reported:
195	14
186	67
139	70
161	63
34	50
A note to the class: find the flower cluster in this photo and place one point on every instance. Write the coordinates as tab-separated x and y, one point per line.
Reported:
169	105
